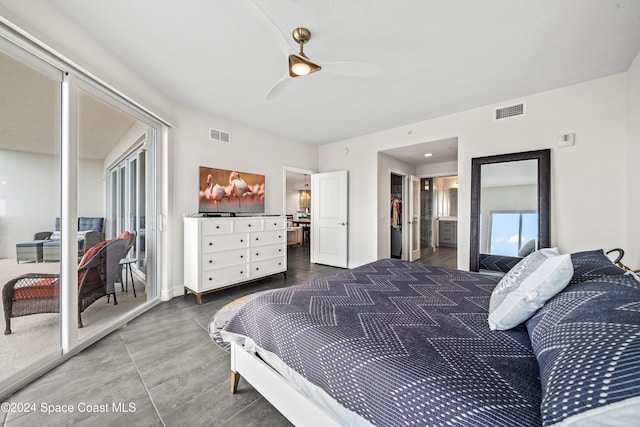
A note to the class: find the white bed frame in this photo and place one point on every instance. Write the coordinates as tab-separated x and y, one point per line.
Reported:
279	392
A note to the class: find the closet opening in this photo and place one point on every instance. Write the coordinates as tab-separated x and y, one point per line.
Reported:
397	191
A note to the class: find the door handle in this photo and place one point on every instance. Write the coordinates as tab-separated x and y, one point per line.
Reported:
342	223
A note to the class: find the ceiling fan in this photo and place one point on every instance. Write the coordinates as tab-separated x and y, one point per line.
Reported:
300	65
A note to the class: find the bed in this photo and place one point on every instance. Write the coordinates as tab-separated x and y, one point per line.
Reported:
400	343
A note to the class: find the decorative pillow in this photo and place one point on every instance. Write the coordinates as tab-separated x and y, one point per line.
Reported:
527	286
589	265
90	253
527	248
587	342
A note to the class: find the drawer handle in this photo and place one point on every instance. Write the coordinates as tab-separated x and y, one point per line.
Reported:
257	268
279	237
210	261
210	278
279	250
279	263
249	225
241	272
241	256
210	244
257	253
241	240
217	227
257	239
275	223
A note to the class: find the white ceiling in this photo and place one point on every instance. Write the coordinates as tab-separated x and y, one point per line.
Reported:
439	57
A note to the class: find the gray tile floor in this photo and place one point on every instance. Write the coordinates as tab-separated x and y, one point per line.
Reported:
162	369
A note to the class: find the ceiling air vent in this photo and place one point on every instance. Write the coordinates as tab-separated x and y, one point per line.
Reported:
220	136
510	111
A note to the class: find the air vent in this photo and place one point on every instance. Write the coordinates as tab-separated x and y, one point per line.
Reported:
220	136
510	111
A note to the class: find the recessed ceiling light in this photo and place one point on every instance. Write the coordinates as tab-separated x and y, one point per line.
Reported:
428	154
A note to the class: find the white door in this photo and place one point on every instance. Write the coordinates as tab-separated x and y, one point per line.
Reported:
329	228
414	217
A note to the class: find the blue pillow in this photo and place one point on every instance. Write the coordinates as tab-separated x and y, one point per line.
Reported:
587	342
589	265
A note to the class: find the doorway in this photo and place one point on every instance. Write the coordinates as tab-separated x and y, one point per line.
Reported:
440	198
297	208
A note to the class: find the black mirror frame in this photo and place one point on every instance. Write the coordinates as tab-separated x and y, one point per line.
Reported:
544	198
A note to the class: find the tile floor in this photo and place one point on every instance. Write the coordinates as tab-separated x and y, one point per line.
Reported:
162	369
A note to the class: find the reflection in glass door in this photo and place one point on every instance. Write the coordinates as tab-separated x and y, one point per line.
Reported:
110	135
128	204
30	212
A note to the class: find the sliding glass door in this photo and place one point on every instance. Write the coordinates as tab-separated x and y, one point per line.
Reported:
78	168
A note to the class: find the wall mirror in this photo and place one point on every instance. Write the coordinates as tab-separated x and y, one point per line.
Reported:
510	209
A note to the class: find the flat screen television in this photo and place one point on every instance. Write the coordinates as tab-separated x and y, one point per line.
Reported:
230	192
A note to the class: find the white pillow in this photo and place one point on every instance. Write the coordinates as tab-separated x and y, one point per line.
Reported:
527	286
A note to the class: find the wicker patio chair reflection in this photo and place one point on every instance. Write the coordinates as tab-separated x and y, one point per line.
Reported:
35	293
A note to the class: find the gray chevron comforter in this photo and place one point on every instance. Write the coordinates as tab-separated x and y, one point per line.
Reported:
400	343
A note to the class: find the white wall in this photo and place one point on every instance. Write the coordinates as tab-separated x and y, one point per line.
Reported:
250	151
632	248
437	169
30	185
589	180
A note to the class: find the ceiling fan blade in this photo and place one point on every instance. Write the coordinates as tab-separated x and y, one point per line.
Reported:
353	69
279	87
270	25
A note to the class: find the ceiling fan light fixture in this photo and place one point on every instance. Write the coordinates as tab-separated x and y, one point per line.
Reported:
300	66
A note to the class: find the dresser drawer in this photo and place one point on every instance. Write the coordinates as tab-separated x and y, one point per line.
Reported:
246	225
446	226
274	223
215	226
224	242
268	266
211	260
446	238
212	279
269	251
268	237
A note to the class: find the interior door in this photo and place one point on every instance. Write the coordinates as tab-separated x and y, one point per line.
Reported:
414	217
329	228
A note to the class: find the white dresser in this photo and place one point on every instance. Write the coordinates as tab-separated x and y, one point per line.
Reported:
222	252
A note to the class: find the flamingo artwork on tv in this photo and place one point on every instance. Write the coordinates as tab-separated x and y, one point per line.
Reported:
230	192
